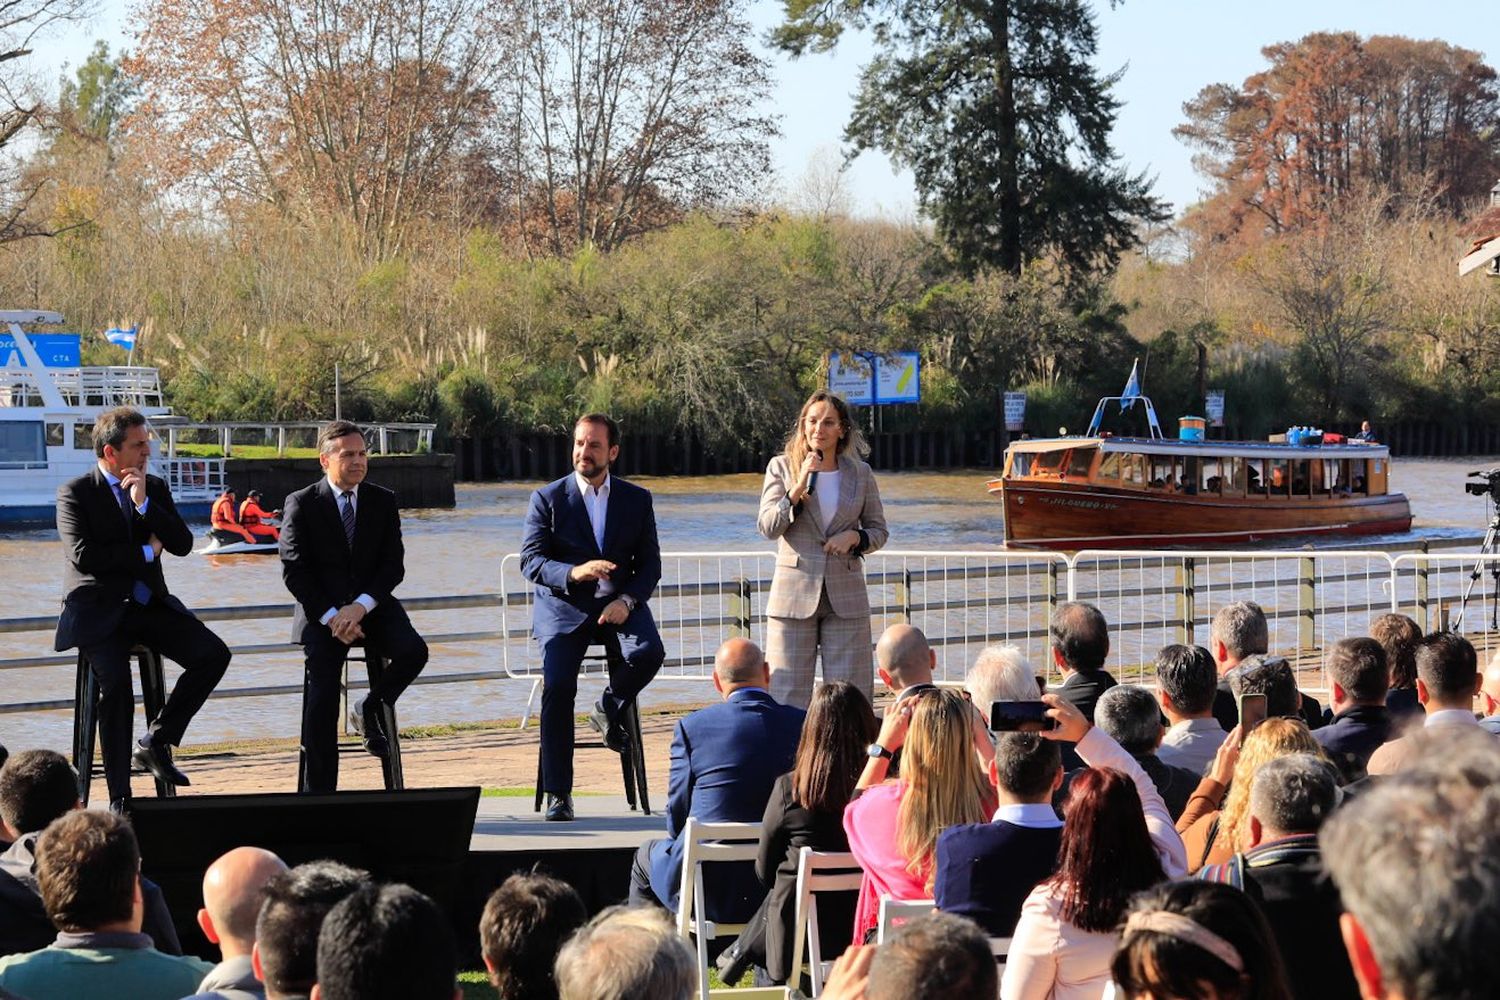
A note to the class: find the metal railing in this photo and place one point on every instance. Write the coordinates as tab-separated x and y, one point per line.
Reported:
962	600
192	478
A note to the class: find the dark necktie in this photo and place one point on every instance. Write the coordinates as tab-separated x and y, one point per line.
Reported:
348	515
139	591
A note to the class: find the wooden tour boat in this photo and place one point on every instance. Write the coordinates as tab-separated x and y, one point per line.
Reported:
1101	491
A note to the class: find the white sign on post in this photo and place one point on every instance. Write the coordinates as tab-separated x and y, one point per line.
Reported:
1015	411
1213	407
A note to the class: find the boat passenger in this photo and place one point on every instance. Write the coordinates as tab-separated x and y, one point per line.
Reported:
223	517
1366	433
253	518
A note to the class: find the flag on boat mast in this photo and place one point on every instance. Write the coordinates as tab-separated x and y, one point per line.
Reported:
121	337
1132	390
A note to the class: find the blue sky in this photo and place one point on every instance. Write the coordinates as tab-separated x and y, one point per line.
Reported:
1169	48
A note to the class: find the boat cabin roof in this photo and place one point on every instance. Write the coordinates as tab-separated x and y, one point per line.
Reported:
1203	449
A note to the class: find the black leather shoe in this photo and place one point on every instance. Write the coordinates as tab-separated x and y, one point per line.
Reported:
559	808
157	758
364	719
120	806
731	964
612	732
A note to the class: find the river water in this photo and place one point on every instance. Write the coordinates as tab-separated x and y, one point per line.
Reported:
459	551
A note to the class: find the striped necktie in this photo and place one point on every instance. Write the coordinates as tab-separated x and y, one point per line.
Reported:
347	513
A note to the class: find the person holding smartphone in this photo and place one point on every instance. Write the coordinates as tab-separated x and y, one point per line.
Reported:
821	506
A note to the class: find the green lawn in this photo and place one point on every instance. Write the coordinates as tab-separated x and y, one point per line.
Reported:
243	451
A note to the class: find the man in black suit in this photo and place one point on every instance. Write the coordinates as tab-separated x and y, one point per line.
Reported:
985	871
115	522
1361	722
341	557
1080	643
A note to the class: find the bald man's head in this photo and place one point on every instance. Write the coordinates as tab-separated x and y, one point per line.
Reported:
904	658
233	888
740	663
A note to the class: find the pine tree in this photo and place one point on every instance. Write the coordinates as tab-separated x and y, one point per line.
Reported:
996	109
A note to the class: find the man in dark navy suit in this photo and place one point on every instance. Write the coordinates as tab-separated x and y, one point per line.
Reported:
985	871
725	758
341	557
590	547
115	522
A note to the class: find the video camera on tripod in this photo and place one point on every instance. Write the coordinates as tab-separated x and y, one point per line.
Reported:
1487	549
1491	487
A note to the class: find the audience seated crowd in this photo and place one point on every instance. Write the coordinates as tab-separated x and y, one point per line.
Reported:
1348	860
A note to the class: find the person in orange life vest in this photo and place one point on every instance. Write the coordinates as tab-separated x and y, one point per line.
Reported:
223	517
253	518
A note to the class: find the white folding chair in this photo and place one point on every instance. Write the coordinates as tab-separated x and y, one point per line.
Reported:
708	843
892	909
818	871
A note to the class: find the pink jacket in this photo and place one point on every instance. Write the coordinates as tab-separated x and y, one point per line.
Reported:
870	822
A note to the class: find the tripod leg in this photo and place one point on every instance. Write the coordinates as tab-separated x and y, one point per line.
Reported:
1487	547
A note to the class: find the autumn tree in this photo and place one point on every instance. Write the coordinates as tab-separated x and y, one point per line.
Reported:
22	23
365	108
1334	113
998	111
623	113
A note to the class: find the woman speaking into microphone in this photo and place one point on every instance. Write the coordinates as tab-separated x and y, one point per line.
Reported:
820	504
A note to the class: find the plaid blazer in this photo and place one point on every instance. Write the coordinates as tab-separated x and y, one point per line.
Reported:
803	569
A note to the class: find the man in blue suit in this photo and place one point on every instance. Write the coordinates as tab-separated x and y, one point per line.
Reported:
725	758
590	547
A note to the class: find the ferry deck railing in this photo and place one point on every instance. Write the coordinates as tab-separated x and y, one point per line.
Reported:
103	385
962	600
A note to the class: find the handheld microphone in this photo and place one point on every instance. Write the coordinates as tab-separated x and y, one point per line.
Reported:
812	480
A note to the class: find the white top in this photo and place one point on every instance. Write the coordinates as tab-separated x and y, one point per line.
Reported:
828	497
596	502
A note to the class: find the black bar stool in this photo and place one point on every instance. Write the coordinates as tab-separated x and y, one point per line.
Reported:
390	766
633	759
86	715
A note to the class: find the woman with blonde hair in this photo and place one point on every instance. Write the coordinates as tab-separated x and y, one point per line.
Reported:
893	826
819	503
1217	818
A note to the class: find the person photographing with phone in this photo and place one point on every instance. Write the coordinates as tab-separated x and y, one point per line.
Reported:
820	504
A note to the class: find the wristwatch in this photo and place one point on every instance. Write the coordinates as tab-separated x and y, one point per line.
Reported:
629	601
875	751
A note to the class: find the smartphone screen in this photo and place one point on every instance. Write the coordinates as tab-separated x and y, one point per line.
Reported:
1252	711
1020	717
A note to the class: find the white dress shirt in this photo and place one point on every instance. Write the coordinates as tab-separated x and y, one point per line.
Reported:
114	484
596	502
339	501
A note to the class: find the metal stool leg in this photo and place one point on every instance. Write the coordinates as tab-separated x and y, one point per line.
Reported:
638	747
154	699
301	746
390	766
85	726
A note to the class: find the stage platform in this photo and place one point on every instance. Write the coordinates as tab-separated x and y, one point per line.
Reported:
506	824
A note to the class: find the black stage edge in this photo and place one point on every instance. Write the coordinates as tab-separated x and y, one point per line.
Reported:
431	838
419	837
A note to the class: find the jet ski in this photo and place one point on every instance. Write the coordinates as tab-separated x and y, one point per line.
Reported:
224	543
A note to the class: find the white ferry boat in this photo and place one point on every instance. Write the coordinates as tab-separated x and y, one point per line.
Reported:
47	414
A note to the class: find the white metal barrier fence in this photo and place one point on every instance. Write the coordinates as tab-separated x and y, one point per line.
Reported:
963	601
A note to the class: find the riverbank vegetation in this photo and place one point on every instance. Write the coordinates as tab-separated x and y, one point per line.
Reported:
494	216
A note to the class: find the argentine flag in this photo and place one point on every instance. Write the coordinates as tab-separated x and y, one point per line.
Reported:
121	337
1131	390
